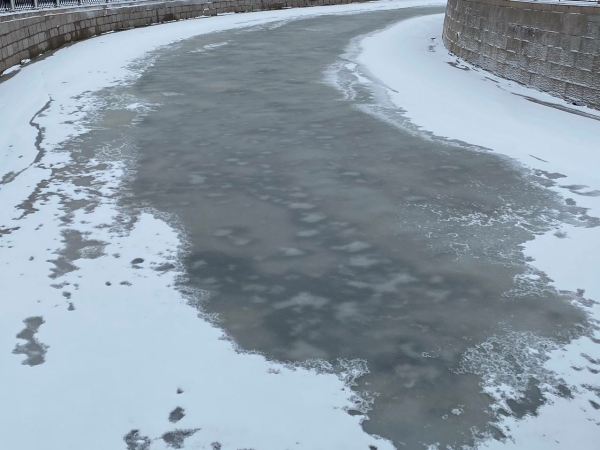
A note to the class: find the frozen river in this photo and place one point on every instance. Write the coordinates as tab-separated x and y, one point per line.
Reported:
320	227
321	232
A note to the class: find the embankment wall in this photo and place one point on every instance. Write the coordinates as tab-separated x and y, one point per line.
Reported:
27	35
549	46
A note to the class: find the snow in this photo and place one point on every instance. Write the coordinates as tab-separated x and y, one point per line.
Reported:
119	339
454	100
115	362
12	69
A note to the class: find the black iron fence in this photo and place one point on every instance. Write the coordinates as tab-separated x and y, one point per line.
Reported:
20	5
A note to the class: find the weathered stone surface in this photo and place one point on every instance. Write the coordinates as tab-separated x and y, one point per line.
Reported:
28	34
551	47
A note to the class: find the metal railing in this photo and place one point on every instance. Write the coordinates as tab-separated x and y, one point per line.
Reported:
20	5
566	1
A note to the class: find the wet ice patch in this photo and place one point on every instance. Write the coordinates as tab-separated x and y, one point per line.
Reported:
307	233
209	47
215	45
301	206
177	438
176	415
33	349
531	283
286	251
132	312
301	301
346	310
507	365
363	261
508	362
135	441
395	283
303	350
516	372
353	247
313	218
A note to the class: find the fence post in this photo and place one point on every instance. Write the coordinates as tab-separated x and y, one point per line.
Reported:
57	2
12	5
35	4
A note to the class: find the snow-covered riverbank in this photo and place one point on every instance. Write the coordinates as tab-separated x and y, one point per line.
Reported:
96	345
442	95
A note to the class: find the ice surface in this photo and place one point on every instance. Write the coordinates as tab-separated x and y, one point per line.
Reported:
118	336
443	96
122	347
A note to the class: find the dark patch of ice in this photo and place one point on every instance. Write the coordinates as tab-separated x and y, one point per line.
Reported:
176	438
32	348
135	441
177	414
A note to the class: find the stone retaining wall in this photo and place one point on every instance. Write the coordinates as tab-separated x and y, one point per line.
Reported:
27	35
552	47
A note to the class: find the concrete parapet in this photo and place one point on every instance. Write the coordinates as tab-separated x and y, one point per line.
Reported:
549	46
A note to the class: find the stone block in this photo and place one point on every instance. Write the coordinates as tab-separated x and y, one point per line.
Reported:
579	76
554	55
596	66
513	45
561	73
502	54
593	30
584	61
568	58
574	92
565	42
519	75
12	61
557	87
574	24
551	38
575	43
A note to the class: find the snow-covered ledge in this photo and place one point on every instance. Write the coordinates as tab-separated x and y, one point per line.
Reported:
550	46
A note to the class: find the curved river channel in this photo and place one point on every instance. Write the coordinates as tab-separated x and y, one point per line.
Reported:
321	225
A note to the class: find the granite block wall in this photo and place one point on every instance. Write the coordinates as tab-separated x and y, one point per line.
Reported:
548	46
